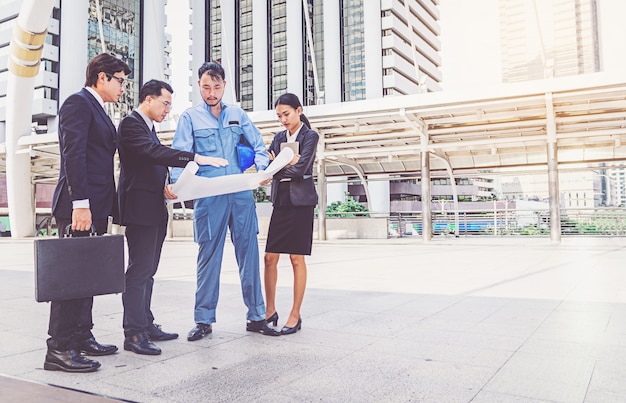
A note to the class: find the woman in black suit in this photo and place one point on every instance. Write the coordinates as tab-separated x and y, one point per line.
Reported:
294	197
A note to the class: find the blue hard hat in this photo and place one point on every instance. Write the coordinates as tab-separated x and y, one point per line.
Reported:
245	153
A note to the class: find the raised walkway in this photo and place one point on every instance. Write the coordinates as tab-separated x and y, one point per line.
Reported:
399	320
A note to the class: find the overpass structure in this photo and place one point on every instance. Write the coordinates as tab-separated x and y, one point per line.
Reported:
544	125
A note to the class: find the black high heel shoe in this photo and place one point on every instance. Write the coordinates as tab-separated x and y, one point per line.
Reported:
291	330
272	319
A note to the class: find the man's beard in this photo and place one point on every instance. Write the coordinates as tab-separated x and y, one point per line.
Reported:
212	102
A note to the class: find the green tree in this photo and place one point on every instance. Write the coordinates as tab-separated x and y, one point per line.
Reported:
347	208
260	194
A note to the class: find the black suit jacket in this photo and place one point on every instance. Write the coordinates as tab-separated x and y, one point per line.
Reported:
144	161
87	143
302	189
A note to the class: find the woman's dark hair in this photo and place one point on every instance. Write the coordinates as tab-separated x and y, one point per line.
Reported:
153	88
213	69
293	101
104	63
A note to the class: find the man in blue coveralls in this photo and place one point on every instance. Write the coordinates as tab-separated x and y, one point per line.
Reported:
214	128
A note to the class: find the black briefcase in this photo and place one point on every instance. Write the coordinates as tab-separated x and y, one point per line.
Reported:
78	267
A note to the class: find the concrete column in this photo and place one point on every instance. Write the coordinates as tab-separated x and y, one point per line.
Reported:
260	61
332	53
427	221
379	194
336	191
295	50
29	34
373	57
73	49
553	172
198	46
153	65
229	50
322	186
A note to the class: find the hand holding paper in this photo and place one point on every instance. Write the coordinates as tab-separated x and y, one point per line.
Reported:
189	186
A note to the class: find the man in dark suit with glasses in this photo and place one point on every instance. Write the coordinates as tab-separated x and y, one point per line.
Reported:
84	196
142	193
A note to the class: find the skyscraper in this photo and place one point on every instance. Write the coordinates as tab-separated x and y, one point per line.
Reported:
556	38
548	38
326	52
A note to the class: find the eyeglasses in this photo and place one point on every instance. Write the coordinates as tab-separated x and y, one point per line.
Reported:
168	105
118	79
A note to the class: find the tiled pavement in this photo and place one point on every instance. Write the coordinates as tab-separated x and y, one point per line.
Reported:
398	320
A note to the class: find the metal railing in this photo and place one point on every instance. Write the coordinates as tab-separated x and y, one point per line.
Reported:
602	221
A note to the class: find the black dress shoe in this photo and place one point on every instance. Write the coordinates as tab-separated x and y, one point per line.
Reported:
272	319
261	326
91	347
68	361
199	331
155	333
292	330
141	344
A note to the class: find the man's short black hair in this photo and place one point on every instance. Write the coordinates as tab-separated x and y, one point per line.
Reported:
104	63
213	69
153	88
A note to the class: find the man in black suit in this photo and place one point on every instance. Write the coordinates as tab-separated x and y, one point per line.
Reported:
84	196
142	193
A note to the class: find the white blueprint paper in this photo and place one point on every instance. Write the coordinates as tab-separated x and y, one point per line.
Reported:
189	186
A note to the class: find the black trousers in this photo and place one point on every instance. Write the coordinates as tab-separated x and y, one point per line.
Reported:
70	320
144	252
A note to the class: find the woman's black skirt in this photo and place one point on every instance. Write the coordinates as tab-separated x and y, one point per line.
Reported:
291	227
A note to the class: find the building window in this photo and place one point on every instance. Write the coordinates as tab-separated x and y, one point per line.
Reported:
122	39
243	61
352	50
277	15
214	34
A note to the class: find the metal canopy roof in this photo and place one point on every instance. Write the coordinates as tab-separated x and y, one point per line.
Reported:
502	127
495	129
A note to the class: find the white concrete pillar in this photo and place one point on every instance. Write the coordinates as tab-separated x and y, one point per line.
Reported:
73	49
198	46
379	194
153	65
29	34
336	191
332	53
229	50
260	61
553	171
295	50
373	57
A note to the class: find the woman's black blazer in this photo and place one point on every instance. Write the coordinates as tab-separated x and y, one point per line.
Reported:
302	189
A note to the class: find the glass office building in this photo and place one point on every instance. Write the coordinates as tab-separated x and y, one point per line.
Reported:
121	31
323	51
563	41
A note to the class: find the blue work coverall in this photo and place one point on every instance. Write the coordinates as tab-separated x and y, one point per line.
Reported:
198	131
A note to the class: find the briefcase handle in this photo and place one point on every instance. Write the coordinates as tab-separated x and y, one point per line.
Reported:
68	233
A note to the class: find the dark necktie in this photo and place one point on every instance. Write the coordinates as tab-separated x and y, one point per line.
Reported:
154	135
